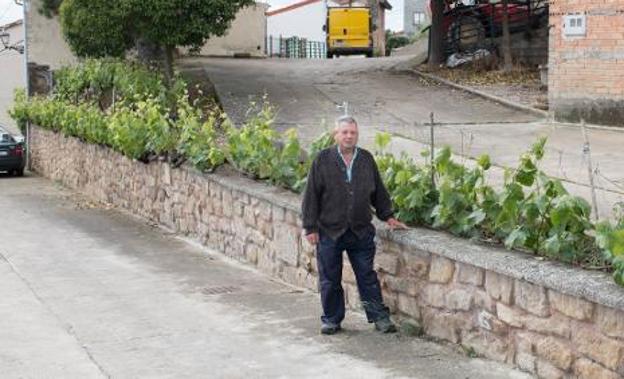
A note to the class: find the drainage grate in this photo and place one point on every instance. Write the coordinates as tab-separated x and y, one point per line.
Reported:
219	290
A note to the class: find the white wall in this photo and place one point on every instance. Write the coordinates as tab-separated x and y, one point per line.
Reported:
306	22
46	45
245	36
11	76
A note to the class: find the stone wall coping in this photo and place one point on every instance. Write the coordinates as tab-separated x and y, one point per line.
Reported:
594	286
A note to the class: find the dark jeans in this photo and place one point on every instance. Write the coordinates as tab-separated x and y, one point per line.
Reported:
361	254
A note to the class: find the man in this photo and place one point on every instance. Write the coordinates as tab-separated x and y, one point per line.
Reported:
343	185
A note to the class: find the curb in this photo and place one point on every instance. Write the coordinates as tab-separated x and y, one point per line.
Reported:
497	99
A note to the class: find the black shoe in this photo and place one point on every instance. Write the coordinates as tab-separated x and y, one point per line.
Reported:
384	325
330	329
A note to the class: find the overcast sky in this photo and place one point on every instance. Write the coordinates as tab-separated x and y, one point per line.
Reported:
10	12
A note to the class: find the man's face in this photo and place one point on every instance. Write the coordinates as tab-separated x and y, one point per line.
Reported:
347	135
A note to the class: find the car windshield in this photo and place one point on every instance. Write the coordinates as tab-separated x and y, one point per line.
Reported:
6	138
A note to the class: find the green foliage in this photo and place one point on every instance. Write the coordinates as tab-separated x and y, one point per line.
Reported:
409	185
98	28
461	191
394	42
252	148
98	80
610	240
142	129
198	139
257	150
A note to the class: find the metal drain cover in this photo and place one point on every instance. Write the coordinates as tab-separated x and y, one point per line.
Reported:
219	290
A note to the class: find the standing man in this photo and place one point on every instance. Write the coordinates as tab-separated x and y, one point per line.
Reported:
343	185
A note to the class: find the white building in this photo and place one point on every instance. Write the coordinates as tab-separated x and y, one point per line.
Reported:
11	69
304	19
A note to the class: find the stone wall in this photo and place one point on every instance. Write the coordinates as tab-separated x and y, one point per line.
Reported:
545	318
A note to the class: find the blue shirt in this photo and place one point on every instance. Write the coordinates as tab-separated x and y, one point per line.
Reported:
350	165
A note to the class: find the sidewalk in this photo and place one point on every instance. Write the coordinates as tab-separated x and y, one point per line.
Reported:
90	292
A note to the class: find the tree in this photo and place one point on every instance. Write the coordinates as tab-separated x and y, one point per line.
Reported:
506	42
96	28
436	34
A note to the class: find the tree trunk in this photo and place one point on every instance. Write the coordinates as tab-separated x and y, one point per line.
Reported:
148	52
168	64
506	43
436	34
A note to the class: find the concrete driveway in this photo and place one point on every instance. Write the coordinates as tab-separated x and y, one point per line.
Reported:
89	292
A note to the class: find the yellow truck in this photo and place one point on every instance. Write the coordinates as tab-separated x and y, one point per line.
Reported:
349	31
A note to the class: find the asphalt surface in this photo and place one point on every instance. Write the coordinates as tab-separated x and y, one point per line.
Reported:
91	292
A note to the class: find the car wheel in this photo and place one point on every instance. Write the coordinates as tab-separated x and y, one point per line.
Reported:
466	33
19	172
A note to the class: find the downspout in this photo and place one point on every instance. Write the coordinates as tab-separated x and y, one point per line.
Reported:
26	79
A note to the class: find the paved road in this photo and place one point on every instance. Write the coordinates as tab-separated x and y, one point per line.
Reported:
89	292
384	95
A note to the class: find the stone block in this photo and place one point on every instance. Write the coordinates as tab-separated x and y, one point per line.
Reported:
554	325
545	370
440	325
278	213
499	287
526	362
409	306
287	244
249	216
483	301
571	306
532	298
348	275
409	286
434	295
509	315
470	274
441	270
414	265
459	299
489	322
292	217
586	369
555	351
387	262
610	321
488	345
264	211
602	349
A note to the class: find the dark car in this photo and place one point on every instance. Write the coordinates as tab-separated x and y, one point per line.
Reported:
11	154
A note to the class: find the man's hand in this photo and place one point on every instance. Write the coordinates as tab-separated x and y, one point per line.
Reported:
393	223
313	238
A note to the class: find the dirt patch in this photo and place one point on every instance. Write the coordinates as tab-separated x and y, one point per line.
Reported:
521	85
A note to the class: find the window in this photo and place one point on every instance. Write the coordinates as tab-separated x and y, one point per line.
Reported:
419	18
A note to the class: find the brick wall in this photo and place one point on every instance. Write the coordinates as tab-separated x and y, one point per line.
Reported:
586	74
542	317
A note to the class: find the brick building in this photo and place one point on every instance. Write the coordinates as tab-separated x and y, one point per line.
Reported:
586	61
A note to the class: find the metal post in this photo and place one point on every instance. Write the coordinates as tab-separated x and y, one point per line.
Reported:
432	147
590	168
26	80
